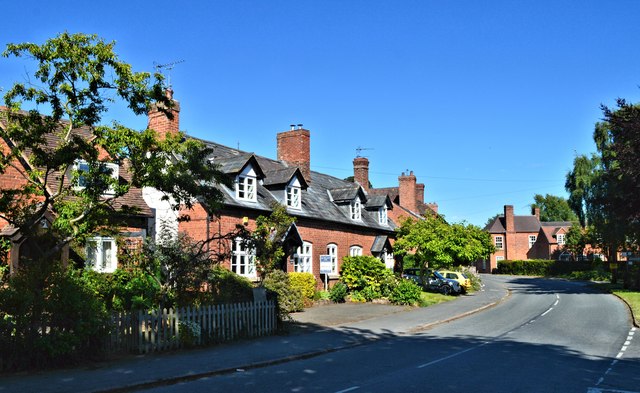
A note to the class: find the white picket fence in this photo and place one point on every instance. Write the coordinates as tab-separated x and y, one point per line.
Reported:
162	329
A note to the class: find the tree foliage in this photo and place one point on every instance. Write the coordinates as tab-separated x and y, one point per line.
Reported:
438	244
554	208
268	239
78	78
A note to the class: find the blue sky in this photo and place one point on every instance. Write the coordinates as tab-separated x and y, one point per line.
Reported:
486	101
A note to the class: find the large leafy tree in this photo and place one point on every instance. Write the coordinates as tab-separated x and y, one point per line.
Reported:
554	208
436	243
77	80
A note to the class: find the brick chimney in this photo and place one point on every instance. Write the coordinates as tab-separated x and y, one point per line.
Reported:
407	191
508	219
361	172
420	192
159	121
294	147
535	211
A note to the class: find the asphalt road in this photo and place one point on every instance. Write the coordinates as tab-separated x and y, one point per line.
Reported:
548	336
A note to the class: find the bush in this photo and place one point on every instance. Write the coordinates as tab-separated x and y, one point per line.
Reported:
226	287
361	272
46	294
406	292
338	292
370	293
289	298
540	267
305	283
476	282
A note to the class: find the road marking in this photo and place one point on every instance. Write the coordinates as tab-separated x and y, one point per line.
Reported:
348	389
620	354
452	355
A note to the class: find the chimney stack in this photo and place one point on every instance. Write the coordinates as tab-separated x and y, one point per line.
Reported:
535	211
361	172
294	148
407	191
508	219
159	121
420	192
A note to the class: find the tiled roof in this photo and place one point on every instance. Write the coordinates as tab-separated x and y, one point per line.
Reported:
522	224
318	198
380	243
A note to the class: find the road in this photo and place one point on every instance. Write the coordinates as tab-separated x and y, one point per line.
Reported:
547	336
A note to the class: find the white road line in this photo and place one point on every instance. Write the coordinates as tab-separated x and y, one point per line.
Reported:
452	355
546	312
349	389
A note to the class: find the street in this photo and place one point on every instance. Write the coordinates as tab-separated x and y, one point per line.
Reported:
547	336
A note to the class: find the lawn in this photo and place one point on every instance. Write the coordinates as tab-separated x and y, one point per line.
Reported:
430	298
633	299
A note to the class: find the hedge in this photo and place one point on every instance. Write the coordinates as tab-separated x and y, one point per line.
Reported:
540	267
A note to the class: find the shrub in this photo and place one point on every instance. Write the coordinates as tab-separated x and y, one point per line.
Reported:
46	294
226	286
540	267
357	297
338	292
406	292
305	282
476	282
289	298
370	293
363	271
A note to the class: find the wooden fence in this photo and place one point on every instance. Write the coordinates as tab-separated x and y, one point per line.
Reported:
162	329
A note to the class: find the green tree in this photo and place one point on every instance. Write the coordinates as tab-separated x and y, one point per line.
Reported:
78	78
268	239
439	244
554	208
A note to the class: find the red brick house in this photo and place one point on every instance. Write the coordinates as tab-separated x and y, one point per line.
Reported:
334	217
524	237
101	251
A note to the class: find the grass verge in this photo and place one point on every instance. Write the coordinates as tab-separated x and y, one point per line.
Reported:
632	298
430	298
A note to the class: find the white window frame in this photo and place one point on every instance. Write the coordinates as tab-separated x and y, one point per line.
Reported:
532	240
243	259
302	258
246	185
332	251
83	166
560	238
383	217
293	194
100	257
355	251
355	209
499	240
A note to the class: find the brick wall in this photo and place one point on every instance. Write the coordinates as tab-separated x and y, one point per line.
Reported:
11	178
407	191
318	233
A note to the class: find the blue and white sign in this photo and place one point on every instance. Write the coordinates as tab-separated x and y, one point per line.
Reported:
325	264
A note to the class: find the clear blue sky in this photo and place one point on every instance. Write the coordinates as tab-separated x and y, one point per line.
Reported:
486	101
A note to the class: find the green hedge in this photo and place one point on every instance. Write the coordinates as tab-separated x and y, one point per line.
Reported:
540	267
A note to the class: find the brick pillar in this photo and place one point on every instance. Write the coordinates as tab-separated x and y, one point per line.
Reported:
294	147
160	122
361	172
407	191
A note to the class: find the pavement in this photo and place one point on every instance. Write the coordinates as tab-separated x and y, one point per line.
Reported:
315	331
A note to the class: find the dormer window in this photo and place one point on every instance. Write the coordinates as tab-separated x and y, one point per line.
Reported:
383	219
293	194
355	209
246	185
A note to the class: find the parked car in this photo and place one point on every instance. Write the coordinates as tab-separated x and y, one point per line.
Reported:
433	281
460	277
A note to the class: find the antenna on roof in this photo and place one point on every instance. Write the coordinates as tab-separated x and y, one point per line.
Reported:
168	67
359	150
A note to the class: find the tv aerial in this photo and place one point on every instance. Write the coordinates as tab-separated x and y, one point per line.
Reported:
168	67
359	150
